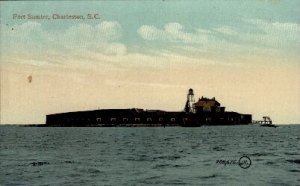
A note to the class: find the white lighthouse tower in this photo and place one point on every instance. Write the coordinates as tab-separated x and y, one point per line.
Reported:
189	106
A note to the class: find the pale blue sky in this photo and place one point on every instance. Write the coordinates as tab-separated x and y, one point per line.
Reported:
131	15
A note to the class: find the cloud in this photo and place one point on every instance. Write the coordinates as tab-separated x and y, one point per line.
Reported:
227	30
31	37
172	32
274	34
90	35
102	38
20	37
150	33
259	37
191	44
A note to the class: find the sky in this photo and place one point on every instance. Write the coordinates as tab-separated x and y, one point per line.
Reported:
147	54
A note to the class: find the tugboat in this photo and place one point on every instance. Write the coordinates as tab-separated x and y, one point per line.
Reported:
268	125
267	122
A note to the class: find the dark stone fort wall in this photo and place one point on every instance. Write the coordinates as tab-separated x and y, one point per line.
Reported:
95	119
117	117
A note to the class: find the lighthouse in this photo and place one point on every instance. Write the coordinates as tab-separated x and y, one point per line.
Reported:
189	106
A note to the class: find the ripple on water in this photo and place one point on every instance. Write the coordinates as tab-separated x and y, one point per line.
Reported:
270	163
209	176
262	154
297	161
94	171
167	157
39	163
151	181
218	149
291	153
294	170
159	166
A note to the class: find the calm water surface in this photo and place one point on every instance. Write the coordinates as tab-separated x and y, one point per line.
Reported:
149	156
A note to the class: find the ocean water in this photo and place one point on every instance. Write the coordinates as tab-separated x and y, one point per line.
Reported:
150	156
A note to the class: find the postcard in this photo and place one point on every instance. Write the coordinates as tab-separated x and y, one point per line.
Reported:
150	92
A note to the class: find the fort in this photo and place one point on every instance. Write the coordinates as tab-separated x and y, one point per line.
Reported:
205	111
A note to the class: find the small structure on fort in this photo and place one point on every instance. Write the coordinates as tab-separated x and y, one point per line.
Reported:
208	105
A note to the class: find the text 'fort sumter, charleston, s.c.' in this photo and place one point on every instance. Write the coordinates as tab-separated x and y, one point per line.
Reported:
56	16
